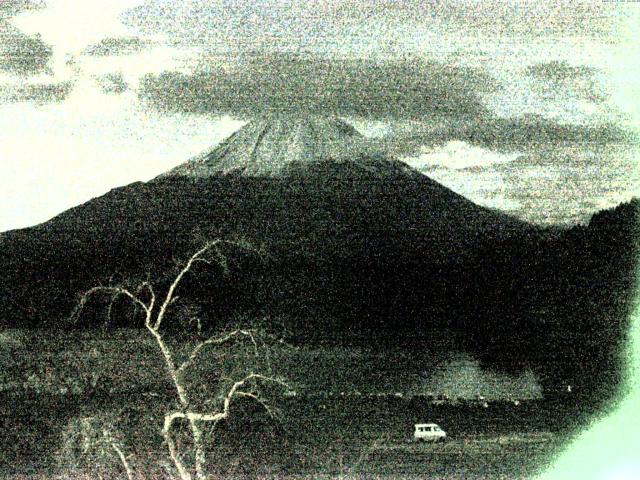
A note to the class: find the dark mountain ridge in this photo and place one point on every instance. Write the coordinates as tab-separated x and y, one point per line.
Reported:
362	250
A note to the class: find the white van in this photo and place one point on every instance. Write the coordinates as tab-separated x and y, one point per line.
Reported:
429	432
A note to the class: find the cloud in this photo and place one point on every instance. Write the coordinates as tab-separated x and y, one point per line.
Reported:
290	24
112	83
531	19
22	54
559	71
458	155
117	46
409	88
523	133
549	184
11	8
586	179
491	35
38	93
249	24
534	130
563	81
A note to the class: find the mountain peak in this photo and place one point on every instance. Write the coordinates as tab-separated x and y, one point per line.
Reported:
274	145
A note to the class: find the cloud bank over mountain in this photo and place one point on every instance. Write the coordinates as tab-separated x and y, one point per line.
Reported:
406	89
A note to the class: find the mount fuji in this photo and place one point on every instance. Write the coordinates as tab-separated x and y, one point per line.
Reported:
357	247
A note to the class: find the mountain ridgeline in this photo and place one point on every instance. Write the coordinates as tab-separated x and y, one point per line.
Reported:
357	248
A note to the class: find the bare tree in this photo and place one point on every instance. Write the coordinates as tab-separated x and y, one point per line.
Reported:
155	310
96	437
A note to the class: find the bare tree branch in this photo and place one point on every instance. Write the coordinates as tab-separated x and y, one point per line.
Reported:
196	257
234	391
217	341
222	260
173	453
259	400
171	366
147	284
178	279
203	260
123	459
115	291
110	308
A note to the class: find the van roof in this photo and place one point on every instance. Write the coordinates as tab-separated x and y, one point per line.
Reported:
426	425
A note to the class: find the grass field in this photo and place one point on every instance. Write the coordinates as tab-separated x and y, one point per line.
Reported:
49	383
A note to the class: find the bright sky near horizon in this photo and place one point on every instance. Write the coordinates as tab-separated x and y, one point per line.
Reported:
530	107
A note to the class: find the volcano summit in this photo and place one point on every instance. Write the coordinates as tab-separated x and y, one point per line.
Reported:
284	145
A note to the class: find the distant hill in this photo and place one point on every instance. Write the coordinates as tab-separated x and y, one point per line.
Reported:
359	248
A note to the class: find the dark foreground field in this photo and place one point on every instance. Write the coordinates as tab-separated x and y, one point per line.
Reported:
304	442
59	391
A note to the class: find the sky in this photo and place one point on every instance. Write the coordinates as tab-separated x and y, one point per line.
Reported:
528	107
